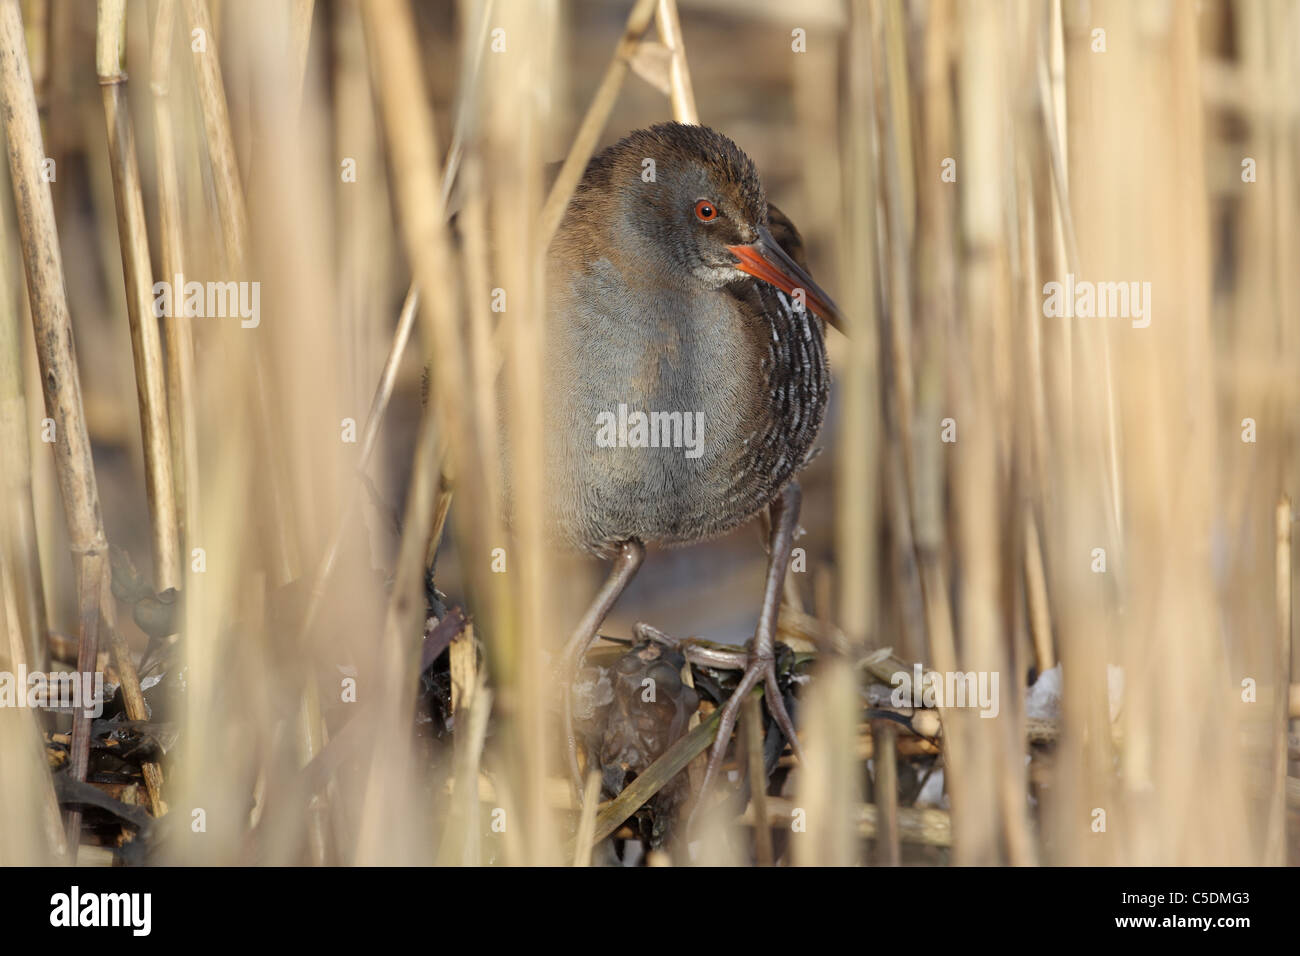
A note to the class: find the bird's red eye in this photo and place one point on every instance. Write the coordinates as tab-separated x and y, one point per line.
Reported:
705	211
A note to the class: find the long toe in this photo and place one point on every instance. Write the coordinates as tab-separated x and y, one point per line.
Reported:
756	670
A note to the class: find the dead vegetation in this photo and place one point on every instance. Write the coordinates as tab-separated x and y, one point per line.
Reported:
1096	509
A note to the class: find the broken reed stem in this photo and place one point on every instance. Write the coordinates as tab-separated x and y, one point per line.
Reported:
681	92
137	271
178	340
584	141
43	262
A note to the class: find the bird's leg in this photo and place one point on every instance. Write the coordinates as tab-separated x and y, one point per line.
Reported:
626	563
762	656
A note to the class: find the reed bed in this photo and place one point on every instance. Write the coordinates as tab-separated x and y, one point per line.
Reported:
278	529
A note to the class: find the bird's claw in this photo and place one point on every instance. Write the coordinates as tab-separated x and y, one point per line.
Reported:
756	668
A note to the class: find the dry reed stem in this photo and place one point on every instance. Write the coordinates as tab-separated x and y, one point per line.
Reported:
1081	503
826	786
1056	143
18	537
220	143
900	201
884	735
146	347
178	340
857	472
514	130
985	298
681	92
938	316
45	278
483	358
233	213
412	143
59	378
146	350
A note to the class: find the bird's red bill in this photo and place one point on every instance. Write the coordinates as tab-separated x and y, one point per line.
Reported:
767	261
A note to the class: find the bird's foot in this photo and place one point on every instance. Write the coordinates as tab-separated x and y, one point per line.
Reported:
757	668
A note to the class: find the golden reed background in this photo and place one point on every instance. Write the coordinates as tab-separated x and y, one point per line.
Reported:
1118	156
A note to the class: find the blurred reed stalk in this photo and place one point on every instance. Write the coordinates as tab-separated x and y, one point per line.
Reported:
28	793
412	143
829	785
178	339
233	212
515	122
1074	437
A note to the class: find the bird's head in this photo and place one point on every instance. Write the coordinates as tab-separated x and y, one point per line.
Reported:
691	204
